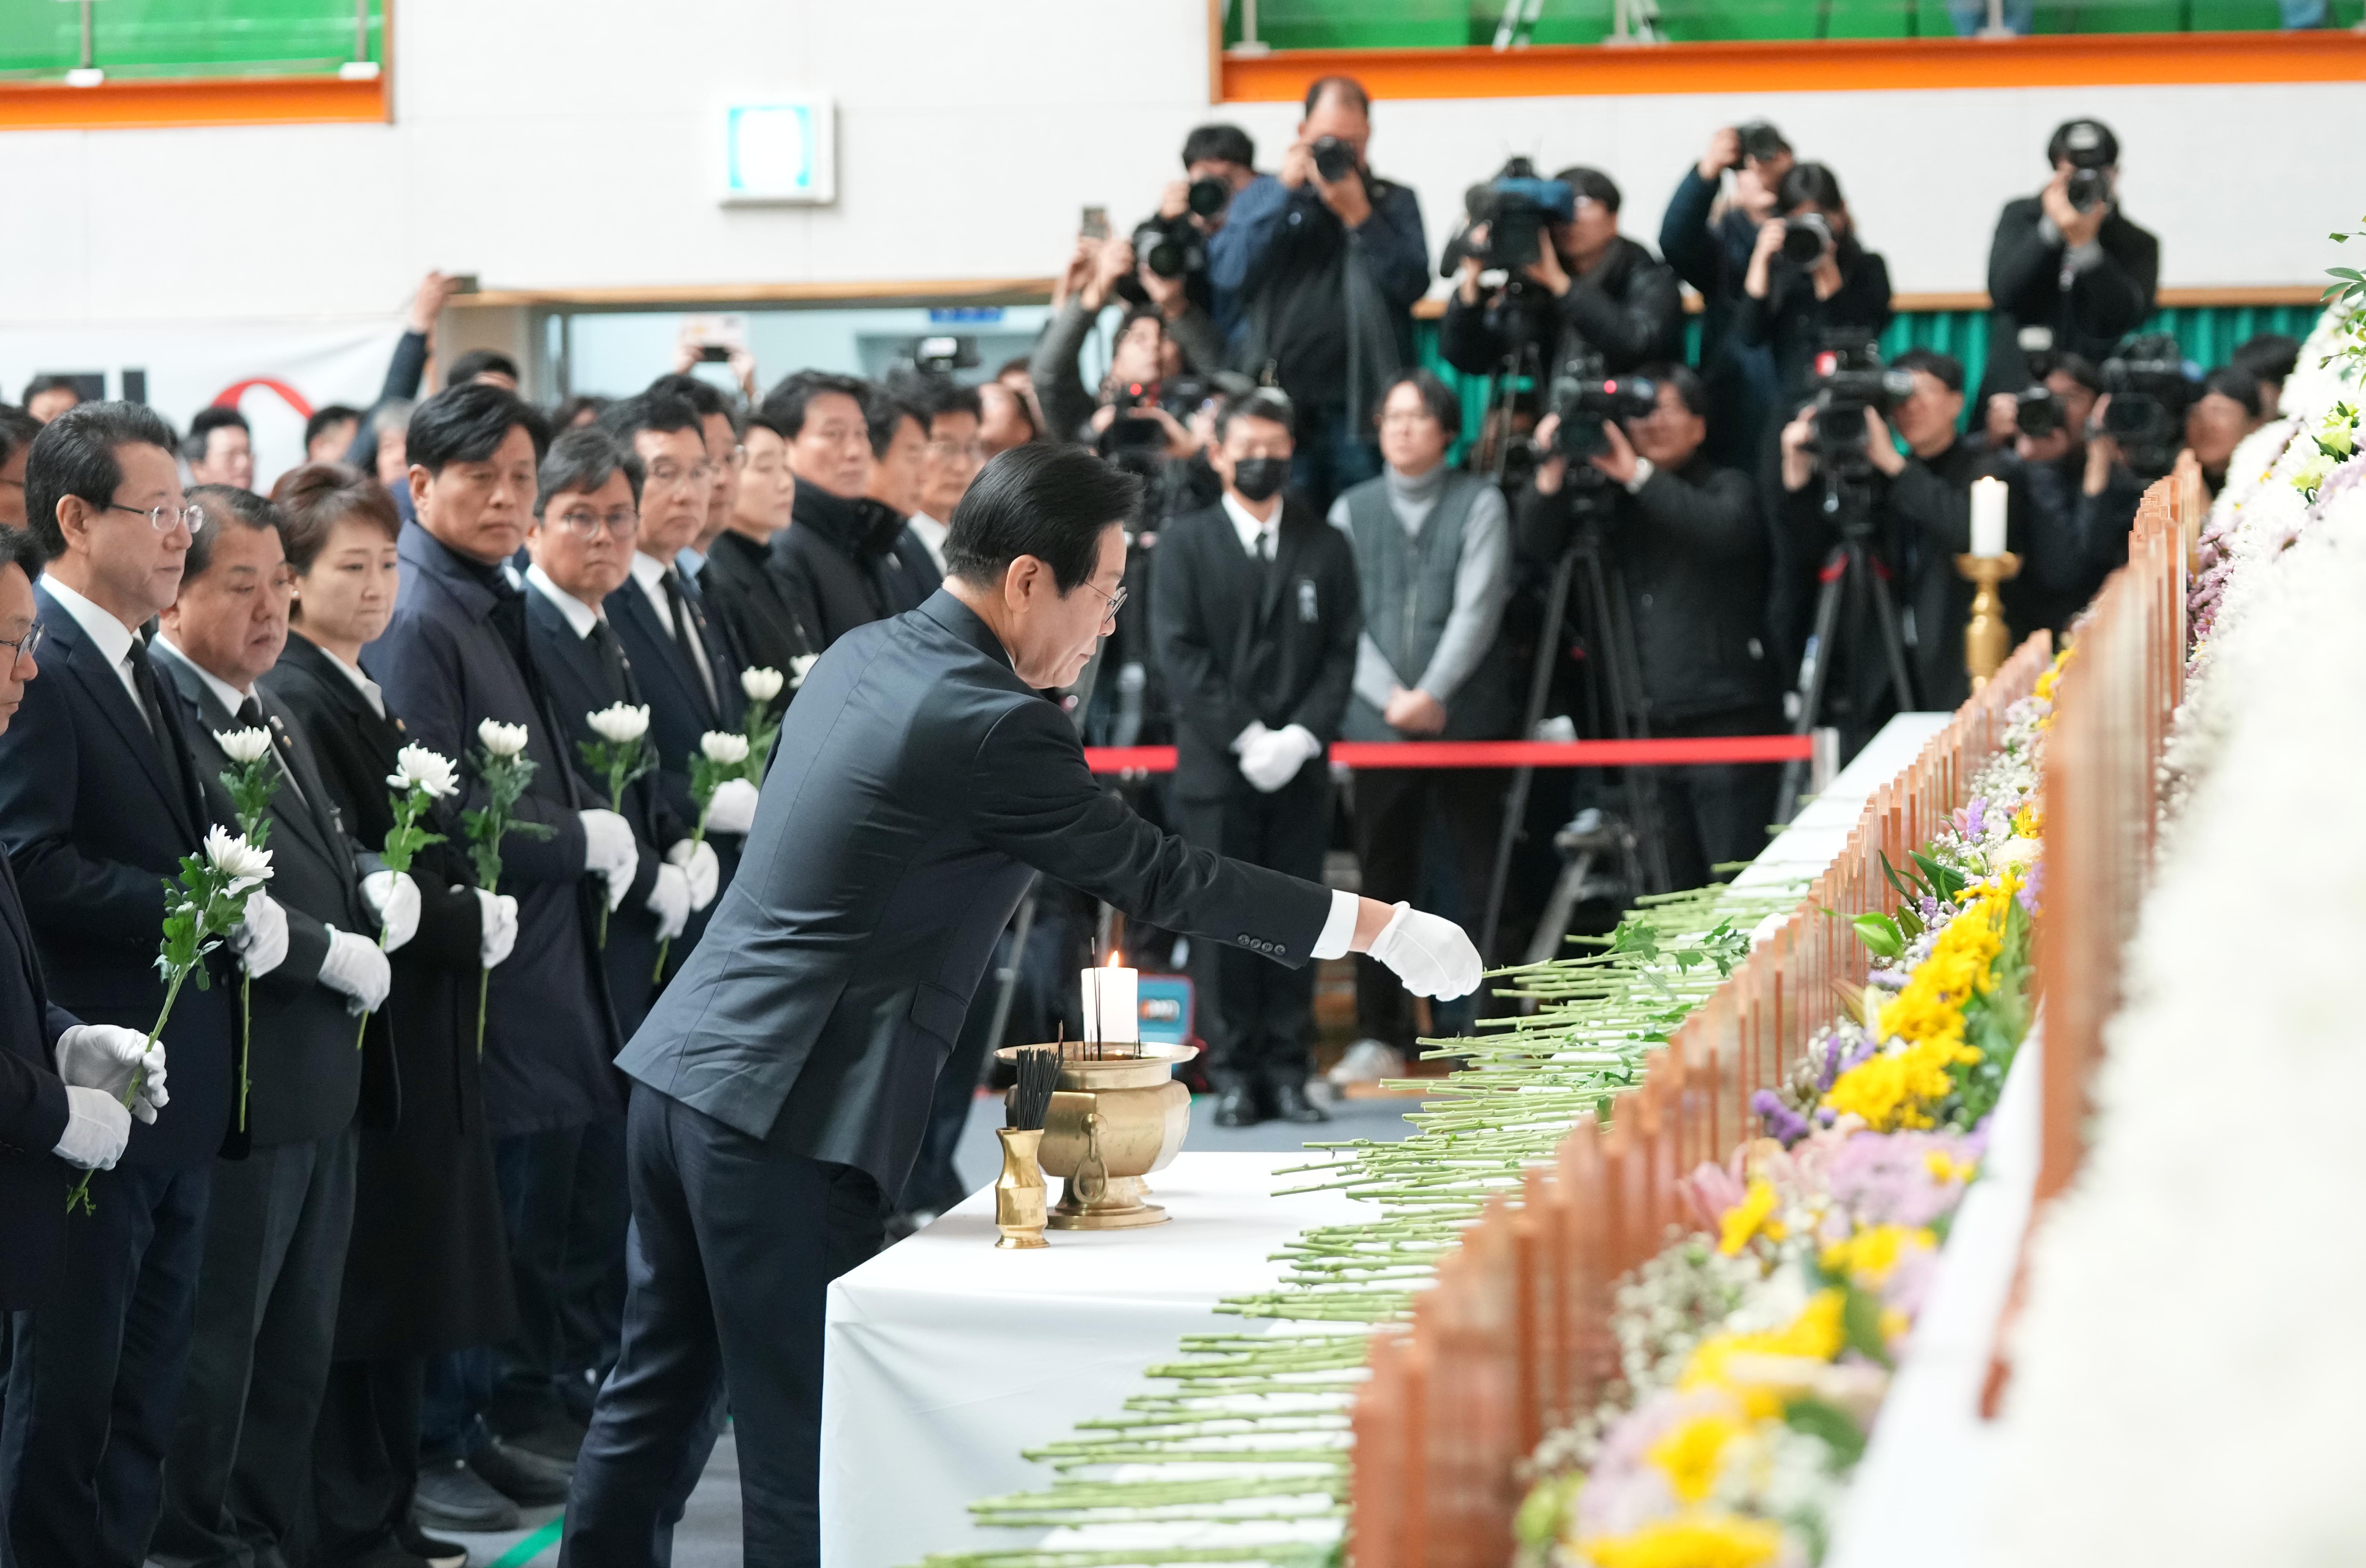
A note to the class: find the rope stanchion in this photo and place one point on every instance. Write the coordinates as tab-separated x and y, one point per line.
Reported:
1688	752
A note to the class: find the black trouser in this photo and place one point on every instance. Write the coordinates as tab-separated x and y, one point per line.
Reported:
1393	810
734	1245
563	1197
1715	812
1256	1015
93	1380
365	1459
239	1477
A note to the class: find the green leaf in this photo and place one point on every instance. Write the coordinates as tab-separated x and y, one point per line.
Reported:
1905	890
1829	1425
1880	935
1945	883
1861	1322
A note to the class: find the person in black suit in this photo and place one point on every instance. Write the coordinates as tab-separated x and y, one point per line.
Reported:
741	591
427	1270
680	662
837	561
455	656
99	800
1253	619
49	1126
782	1083
237	1477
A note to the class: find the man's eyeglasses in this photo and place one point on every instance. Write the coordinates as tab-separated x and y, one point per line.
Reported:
696	474
162	518
21	649
1116	601
940	451
584	525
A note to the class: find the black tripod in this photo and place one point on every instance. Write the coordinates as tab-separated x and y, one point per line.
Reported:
1850	578
1604	632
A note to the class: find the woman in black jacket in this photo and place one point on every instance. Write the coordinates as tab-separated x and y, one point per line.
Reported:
1798	306
427	1270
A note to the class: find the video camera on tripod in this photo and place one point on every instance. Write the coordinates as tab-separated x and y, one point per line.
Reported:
2150	389
1849	379
1585	399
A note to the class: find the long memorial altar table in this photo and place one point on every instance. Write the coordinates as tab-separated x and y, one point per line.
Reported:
945	1357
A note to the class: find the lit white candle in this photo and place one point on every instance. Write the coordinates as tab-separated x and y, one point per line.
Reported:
1987	516
1112	1009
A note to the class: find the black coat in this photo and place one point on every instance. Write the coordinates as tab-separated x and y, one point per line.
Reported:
579	685
304	1075
1627	308
1794	324
427	1270
2103	304
748	598
444	666
917	782
95	827
33	1114
1240	643
1690	549
838	564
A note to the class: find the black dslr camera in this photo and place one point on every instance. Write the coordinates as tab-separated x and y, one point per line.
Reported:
2036	412
2150	392
1334	159
1807	239
1208	196
1517	209
1585	401
1760	142
1849	379
2091	165
1171	247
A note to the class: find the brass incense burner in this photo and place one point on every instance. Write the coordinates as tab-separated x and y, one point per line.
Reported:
1117	1116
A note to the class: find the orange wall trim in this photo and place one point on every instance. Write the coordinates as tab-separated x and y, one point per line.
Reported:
1843	65
230	100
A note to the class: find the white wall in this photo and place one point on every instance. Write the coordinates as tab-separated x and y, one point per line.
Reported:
542	144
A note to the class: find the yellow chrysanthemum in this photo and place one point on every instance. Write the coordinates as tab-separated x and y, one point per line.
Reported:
1749	1217
1688	1454
1870	1256
1716	1541
1895	1089
2029	822
1945	1167
2043	690
1816	1333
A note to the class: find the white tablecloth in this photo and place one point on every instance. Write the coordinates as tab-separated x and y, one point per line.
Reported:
946	1357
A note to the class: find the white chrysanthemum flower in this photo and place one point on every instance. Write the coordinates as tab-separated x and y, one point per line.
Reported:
762	684
419	767
242	745
230	854
501	740
620	722
800	666
725	746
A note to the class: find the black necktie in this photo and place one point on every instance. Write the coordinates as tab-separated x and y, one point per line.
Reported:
152	703
683	634
250	717
603	638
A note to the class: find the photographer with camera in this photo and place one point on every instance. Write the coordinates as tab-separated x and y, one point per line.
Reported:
1219	161
1708	237
2040	437
1687	540
2137	434
1809	278
1326	261
1841	471
2067	271
1571	278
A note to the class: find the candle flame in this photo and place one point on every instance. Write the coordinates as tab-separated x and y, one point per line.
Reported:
1116	959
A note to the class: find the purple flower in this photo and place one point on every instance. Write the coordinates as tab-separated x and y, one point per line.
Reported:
1782	1121
1973	816
2033	885
1887	1178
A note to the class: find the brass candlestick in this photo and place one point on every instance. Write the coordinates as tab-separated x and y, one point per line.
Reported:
1019	1191
1984	633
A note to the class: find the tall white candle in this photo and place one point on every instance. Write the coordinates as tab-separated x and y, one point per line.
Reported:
1987	516
1113	1006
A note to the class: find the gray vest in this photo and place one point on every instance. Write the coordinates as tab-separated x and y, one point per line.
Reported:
1407	583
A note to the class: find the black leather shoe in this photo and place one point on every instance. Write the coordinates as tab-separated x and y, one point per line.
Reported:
1237	1107
452	1496
436	1553
1290	1104
527	1479
558	1440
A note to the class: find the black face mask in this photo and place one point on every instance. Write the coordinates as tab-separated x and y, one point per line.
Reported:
1260	479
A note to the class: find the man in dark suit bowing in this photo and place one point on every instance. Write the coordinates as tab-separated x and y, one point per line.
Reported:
1253	616
237	1477
51	1126
98	803
680	659
782	1083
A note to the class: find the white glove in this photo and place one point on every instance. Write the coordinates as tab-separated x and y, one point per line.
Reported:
1255	733
393	899
105	1056
669	900
609	851
1429	953
355	970
97	1127
699	864
1273	759
498	927
733	810
261	939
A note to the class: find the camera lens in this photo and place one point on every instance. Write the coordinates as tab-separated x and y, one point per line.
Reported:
1334	159
1208	196
1805	239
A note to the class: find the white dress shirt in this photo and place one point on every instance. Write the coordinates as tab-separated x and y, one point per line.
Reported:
649	572
581	617
108	635
931	536
229	696
370	690
1260	540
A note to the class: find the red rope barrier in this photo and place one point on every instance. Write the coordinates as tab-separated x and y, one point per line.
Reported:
1691	751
